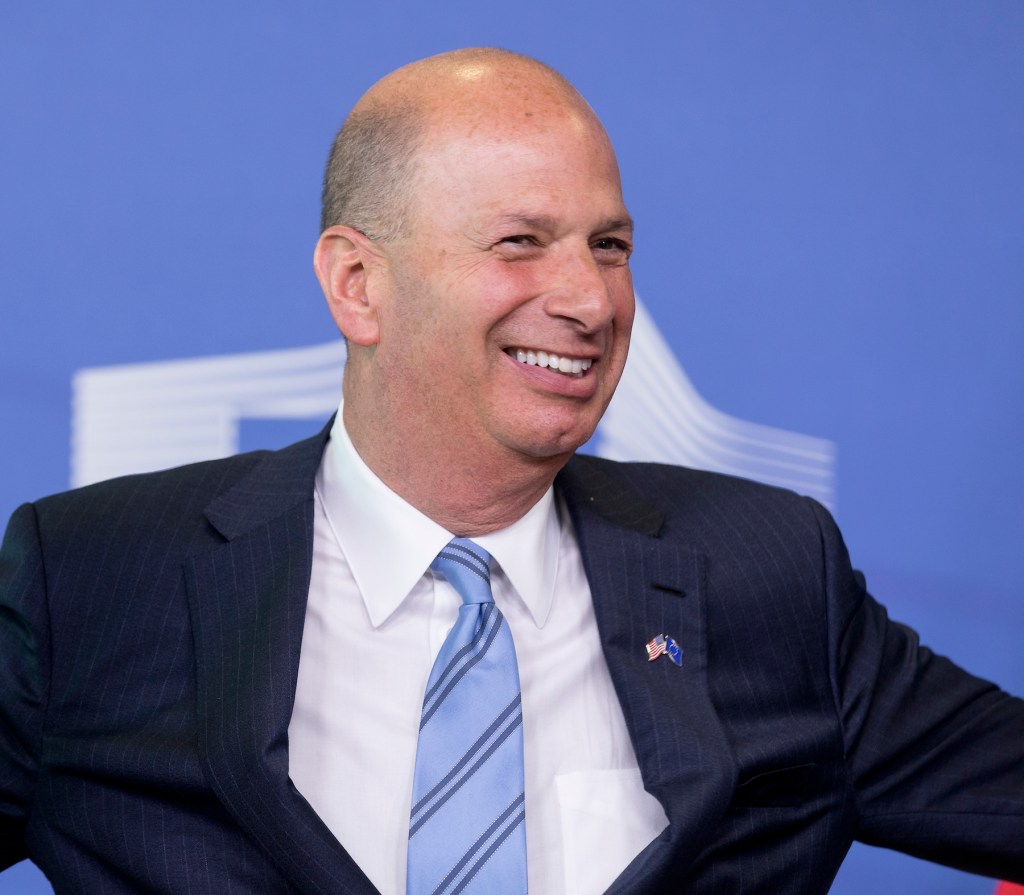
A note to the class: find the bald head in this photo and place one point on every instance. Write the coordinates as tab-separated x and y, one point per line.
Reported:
371	168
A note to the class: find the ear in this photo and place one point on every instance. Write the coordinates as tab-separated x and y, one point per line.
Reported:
342	259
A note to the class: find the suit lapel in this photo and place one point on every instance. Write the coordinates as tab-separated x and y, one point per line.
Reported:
646	583
247	598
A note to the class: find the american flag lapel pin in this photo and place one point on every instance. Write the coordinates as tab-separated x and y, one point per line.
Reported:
655	647
660	644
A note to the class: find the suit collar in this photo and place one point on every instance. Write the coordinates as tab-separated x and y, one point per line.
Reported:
592	487
278	482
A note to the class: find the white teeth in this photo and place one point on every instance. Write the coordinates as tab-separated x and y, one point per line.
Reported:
567	365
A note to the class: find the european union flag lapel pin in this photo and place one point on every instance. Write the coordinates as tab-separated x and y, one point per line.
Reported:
664	645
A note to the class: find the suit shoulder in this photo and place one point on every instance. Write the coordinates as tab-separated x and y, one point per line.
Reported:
696	505
181	484
177	500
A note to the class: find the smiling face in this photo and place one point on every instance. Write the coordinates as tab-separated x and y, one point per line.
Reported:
516	257
488	331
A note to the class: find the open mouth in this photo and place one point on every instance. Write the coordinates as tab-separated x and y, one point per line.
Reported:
560	363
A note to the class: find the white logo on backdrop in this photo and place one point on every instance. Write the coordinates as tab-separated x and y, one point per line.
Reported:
142	417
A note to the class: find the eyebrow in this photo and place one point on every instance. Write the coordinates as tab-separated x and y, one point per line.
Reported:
545	222
625	223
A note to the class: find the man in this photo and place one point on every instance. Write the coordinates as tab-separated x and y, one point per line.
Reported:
213	677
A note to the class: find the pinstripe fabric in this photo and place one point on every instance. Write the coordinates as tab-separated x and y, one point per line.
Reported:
149	638
165	653
815	719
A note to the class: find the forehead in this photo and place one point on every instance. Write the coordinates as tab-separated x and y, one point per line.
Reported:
503	161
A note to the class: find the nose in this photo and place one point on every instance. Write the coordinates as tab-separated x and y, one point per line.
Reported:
580	290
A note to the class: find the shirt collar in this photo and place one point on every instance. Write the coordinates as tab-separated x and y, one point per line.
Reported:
389	544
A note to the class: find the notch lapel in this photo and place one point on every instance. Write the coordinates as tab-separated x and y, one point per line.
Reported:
644	584
247	598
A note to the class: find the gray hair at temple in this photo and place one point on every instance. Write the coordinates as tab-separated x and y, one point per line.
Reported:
370	169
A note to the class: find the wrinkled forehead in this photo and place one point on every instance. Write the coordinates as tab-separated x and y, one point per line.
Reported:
511	116
561	169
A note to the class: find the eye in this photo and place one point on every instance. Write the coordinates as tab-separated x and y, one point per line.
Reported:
612	249
518	246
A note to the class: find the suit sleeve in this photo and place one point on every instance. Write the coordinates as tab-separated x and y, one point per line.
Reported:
24	662
935	755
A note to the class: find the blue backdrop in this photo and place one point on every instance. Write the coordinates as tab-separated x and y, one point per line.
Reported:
830	207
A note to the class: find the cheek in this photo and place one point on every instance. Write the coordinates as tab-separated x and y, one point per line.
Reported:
621	289
503	285
529	277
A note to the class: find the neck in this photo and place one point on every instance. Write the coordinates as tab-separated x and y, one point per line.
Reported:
466	493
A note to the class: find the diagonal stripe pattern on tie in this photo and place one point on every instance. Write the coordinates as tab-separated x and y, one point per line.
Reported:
467	829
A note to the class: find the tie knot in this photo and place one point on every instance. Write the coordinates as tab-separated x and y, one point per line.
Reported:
467	566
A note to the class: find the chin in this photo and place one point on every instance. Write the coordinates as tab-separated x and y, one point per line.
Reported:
548	432
552	445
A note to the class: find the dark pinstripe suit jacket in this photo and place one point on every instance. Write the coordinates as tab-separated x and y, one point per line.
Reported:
149	644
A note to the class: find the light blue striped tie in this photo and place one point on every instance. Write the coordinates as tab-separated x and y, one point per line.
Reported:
467	832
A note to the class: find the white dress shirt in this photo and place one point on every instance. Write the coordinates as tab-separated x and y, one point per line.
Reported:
375	620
